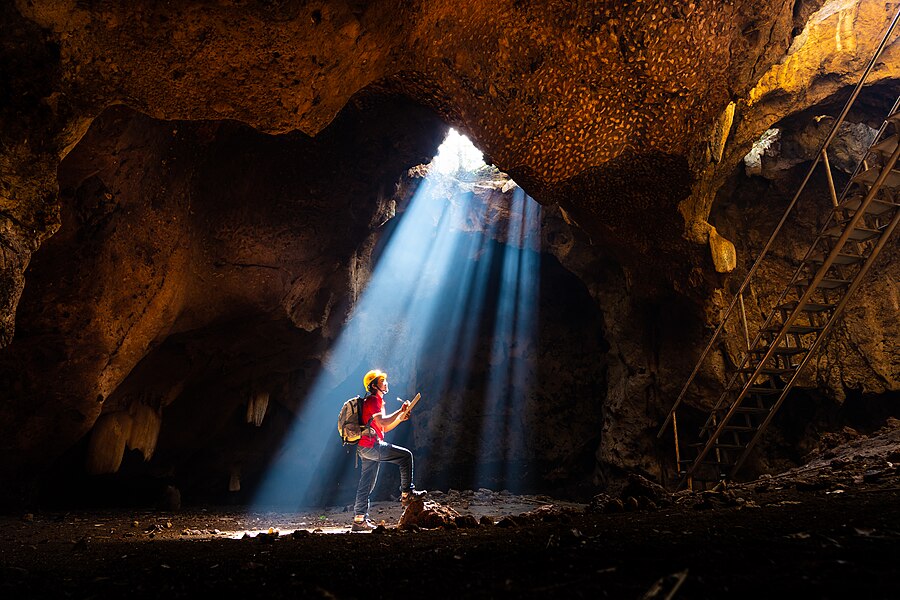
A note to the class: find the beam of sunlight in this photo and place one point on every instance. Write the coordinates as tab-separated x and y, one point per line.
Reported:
419	317
513	347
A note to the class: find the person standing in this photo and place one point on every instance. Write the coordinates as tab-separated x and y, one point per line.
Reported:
373	450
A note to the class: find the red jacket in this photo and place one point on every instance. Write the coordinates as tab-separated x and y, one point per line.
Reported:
372	405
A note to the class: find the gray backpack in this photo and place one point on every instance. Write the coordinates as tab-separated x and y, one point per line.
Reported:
350	424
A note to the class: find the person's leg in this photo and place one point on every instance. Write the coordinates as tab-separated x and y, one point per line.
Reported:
367	478
401	457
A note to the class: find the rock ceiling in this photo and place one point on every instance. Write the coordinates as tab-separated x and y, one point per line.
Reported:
629	116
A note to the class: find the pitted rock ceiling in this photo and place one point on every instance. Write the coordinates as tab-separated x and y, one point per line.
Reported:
625	118
548	90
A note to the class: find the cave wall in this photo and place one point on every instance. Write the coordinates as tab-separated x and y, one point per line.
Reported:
623	119
170	227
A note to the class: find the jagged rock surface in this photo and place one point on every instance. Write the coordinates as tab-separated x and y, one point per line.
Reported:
153	231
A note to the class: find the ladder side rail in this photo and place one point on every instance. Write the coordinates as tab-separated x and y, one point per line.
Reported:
834	199
781	223
820	274
862	161
699	363
710	421
832	215
740	291
886	234
858	215
765	325
756	340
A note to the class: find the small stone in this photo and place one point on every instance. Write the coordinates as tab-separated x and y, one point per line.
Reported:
872	476
466	521
506	522
811	486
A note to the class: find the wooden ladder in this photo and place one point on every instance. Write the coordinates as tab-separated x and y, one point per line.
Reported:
862	220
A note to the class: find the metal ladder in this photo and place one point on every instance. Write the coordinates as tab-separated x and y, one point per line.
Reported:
862	220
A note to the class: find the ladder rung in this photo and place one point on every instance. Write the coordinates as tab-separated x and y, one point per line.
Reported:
886	146
858	234
764	391
706	430
767	371
876	206
801	329
739	428
729	446
827	283
808	307
780	350
840	259
869	176
753	410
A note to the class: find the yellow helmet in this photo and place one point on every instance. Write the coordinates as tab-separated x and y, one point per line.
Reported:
372	376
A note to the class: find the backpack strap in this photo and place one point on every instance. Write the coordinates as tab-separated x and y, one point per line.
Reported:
359	412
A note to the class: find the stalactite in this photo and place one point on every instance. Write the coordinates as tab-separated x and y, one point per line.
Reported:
256	407
107	443
234	481
145	427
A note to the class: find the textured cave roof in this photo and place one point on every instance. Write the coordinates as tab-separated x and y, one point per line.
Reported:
548	89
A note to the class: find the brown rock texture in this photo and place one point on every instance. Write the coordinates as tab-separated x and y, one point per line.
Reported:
549	92
191	194
428	515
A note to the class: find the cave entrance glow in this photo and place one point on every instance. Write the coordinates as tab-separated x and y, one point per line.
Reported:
450	311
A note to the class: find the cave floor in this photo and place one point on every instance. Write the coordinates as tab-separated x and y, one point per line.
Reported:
830	529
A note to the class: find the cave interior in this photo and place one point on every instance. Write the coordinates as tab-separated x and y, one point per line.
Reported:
216	217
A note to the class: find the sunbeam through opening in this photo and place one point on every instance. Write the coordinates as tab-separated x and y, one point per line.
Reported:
455	273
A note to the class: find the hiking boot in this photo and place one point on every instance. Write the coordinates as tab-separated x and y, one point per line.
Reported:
406	498
364	525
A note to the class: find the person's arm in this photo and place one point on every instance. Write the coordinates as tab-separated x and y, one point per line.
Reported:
388	422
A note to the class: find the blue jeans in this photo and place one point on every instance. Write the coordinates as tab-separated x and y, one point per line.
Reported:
371	459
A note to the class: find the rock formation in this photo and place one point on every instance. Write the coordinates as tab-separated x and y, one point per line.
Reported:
191	194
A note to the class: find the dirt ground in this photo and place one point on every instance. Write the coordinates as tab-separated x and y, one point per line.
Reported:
830	529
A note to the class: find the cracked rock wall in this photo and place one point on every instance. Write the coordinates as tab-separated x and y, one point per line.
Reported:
124	129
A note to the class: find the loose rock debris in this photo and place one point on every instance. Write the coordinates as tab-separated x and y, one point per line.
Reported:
844	536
